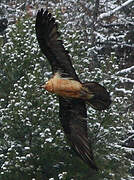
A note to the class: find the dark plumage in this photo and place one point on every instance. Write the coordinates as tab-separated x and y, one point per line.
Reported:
72	110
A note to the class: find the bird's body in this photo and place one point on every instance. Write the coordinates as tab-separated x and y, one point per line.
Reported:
63	86
71	92
67	88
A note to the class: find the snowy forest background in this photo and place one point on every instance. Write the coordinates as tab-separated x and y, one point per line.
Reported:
99	35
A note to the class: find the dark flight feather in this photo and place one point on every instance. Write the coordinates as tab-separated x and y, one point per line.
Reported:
52	47
73	116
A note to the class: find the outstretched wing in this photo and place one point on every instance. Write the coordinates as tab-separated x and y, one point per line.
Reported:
52	47
72	112
73	116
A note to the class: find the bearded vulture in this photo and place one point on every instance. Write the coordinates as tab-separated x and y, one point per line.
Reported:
72	93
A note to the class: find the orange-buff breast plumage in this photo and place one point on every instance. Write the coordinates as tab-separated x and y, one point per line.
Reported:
63	86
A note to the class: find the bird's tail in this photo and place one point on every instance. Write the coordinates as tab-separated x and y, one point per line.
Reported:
100	99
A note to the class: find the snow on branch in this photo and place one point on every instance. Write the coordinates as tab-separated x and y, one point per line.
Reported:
124	90
123	79
125	71
128	138
109	13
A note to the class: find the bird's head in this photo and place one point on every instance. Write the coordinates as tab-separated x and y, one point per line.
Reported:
48	86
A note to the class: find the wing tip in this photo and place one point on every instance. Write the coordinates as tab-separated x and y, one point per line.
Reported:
94	166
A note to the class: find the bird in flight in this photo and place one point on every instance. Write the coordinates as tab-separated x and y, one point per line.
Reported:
73	94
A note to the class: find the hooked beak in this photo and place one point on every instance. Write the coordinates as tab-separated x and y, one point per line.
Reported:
43	86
